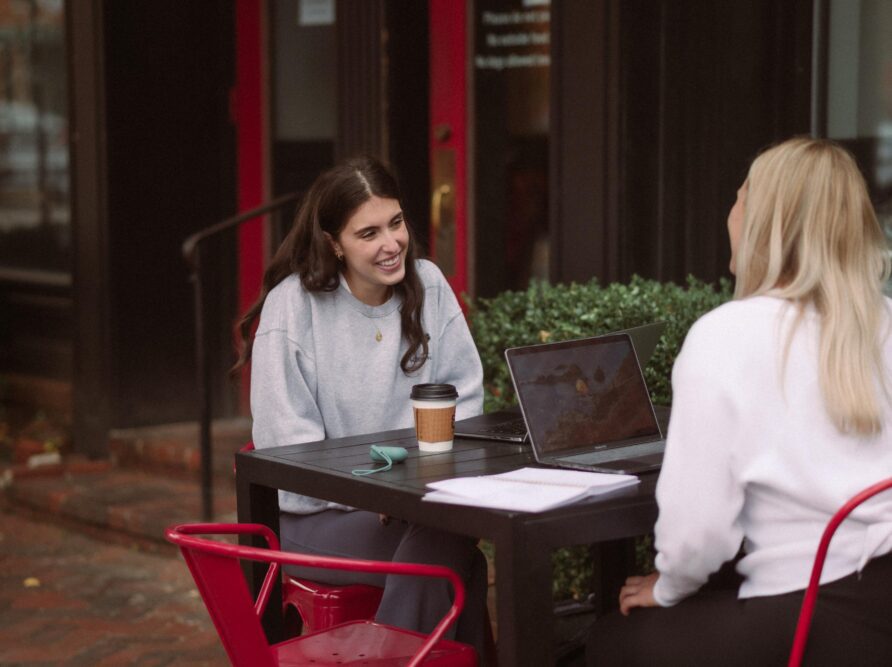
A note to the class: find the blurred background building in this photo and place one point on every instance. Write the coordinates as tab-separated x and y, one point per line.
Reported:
561	140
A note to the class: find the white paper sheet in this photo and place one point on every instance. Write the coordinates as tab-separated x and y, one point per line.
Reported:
526	489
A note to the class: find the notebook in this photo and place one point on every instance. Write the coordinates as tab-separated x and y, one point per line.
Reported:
509	425
586	405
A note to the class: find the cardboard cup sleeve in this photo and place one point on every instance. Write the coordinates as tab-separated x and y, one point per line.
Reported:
434	424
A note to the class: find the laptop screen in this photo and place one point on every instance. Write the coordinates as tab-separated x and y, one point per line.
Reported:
582	394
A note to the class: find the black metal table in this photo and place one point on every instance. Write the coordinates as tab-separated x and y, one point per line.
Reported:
523	541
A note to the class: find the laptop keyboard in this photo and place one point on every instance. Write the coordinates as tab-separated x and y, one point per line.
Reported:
511	427
617	453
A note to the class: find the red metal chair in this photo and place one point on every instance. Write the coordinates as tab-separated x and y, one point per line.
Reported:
215	567
309	606
811	593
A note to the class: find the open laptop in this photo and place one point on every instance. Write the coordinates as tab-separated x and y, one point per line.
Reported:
510	426
586	405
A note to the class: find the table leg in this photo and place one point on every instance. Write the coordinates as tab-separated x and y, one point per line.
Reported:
524	602
613	561
260	504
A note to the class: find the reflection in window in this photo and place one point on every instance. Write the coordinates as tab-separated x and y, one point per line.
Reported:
859	92
34	184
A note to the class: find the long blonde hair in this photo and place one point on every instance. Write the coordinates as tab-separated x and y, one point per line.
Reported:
810	235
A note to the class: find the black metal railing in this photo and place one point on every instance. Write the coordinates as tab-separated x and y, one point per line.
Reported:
193	256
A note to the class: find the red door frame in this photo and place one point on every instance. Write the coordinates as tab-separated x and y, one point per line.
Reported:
249	109
250	120
449	108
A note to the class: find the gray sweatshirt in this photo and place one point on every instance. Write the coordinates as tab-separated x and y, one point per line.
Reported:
318	370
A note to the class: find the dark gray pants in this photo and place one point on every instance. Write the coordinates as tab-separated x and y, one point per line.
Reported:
852	625
413	603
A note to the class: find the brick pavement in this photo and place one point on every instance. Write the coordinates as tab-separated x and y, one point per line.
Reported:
70	599
111	591
90	534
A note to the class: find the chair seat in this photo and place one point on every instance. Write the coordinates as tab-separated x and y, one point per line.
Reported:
368	643
321	606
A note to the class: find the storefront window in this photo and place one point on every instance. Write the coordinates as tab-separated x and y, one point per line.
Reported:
859	92
34	183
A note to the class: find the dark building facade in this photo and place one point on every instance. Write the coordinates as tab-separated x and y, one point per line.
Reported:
558	140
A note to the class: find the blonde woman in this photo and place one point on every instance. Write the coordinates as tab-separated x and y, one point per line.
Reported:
781	412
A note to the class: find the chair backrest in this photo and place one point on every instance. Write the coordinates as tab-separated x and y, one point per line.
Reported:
222	586
215	568
225	593
811	593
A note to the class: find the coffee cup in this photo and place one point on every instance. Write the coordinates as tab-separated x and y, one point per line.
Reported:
434	408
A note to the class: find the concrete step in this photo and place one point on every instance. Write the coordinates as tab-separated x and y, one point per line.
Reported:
174	449
127	504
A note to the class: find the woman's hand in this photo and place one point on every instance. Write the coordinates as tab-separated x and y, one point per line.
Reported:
638	592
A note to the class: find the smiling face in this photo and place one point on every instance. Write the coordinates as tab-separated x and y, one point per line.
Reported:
735	224
373	243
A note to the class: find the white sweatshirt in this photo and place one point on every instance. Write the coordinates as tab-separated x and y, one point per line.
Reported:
752	455
318	370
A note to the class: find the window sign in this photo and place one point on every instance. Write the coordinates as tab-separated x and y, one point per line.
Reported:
513	38
316	12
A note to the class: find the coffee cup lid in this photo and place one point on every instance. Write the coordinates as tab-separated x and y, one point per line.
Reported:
434	392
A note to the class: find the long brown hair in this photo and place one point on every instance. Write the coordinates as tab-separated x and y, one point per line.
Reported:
331	200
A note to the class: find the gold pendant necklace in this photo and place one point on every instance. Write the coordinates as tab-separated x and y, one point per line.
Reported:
378	335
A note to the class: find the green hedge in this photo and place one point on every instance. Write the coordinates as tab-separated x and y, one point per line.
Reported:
545	312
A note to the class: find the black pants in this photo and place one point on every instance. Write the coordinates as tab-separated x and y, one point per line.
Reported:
852	625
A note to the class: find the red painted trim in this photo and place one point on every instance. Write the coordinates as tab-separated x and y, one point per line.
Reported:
249	107
449	105
249	119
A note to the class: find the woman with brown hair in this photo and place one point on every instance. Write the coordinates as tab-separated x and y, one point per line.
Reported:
349	320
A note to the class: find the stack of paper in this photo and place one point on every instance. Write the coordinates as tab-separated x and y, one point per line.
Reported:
526	489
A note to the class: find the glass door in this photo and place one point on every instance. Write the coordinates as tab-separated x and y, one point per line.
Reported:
489	125
511	67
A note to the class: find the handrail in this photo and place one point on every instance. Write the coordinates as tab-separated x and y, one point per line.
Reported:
190	245
192	254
